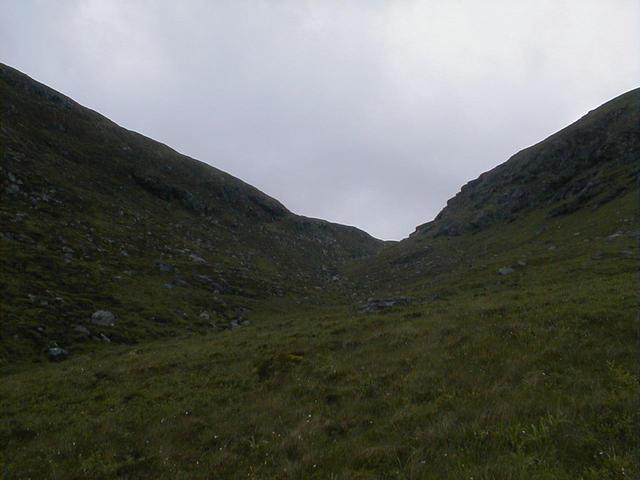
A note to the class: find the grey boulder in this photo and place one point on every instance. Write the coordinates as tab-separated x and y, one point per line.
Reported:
104	318
82	330
57	354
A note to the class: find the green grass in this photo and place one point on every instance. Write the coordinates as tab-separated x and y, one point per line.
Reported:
467	387
529	376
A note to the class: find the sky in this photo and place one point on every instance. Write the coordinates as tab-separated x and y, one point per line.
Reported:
368	113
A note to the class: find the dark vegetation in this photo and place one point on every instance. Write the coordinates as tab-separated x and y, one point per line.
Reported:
499	341
97	217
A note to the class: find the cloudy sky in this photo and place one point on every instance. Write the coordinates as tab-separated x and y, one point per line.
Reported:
369	113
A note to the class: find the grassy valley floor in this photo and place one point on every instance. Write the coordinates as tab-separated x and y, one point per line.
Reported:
530	375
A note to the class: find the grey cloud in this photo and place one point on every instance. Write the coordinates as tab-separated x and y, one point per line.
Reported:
366	113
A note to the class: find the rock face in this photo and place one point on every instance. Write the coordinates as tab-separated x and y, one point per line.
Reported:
103	318
585	165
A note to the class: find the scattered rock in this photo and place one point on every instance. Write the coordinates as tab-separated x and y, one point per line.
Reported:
217	287
57	354
179	282
205	315
164	267
197	259
505	271
104	318
13	189
239	322
81	329
615	235
379	304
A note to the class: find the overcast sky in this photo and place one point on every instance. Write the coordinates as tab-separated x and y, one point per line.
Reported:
369	113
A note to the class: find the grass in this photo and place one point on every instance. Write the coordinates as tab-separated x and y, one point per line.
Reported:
467	387
530	376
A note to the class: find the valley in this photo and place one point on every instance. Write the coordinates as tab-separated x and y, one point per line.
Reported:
499	340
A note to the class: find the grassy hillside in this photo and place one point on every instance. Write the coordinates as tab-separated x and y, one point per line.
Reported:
532	375
544	205
505	349
96	217
584	165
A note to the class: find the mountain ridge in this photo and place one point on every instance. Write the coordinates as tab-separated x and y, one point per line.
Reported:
622	116
83	198
19	80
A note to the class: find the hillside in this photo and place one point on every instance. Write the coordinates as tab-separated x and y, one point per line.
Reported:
499	341
580	169
97	217
586	164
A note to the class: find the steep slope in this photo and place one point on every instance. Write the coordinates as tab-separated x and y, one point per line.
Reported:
524	210
585	165
96	217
